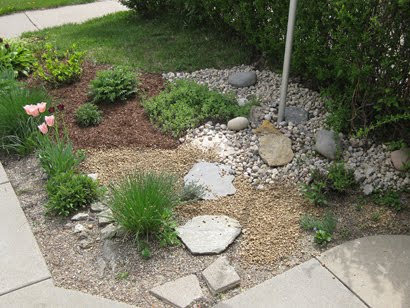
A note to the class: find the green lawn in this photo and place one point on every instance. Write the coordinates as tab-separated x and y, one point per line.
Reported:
11	6
151	45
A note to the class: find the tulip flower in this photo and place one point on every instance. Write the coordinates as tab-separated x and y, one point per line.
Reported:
31	110
41	107
60	107
51	109
43	128
49	120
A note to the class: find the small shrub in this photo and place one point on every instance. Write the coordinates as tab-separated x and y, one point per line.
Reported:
142	203
57	155
88	114
341	178
58	68
18	133
69	192
114	85
390	199
15	56
186	104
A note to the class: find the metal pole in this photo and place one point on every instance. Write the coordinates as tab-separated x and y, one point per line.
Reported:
286	62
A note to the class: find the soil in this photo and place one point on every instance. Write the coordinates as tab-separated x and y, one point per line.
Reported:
111	131
271	241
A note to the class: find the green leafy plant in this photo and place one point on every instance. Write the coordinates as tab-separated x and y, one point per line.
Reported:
143	203
15	56
113	85
60	68
18	133
396	145
341	178
122	275
376	216
88	114
323	227
192	192
315	191
390	199
186	104
68	192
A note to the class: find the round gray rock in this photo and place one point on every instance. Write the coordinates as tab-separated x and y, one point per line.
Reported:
209	234
238	123
242	79
327	143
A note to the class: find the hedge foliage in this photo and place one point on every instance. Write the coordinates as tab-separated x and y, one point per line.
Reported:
355	52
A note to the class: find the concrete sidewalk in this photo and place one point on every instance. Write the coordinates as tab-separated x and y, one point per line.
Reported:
14	25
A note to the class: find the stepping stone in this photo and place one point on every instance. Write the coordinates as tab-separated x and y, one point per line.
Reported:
242	79
215	178
221	276
296	115
400	157
209	234
275	149
327	143
179	293
238	123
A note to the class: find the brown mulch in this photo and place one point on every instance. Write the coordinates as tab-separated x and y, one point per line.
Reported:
123	124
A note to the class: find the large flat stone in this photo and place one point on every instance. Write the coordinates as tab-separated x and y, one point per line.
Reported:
209	234
74	13
221	276
3	175
215	178
21	262
296	115
43	294
307	285
275	149
179	293
14	25
376	268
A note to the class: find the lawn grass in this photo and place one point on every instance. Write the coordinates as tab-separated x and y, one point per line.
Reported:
153	45
11	6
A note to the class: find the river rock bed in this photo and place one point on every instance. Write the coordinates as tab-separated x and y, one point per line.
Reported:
371	162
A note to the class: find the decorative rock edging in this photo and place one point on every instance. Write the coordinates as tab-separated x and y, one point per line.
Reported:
240	149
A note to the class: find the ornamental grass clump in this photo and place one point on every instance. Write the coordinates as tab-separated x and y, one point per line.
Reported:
113	85
142	203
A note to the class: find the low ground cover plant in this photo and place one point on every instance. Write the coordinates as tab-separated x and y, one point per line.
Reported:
142	203
114	85
88	114
16	56
69	191
59	68
186	104
338	180
18	133
390	199
323	227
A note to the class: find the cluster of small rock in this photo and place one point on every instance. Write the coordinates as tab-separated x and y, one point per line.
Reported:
304	122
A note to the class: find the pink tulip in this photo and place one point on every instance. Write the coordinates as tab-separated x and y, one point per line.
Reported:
27	108
49	120
31	110
42	107
43	128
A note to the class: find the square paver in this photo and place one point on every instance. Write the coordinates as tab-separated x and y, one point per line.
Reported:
21	262
179	293
221	276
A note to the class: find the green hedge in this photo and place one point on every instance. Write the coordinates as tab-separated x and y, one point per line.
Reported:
356	52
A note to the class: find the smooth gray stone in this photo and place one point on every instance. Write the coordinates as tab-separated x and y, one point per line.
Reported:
179	293
400	157
221	276
296	115
242	79
21	262
215	178
327	143
308	285
376	268
275	149
238	123
209	234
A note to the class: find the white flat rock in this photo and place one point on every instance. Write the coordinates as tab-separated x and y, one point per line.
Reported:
179	293
209	234
215	178
221	276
